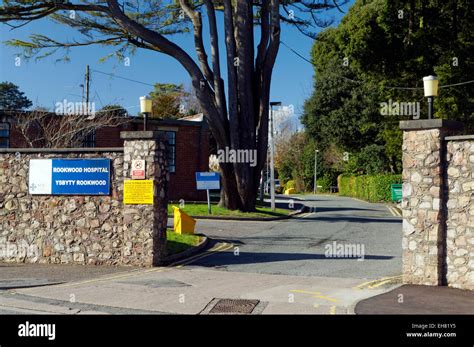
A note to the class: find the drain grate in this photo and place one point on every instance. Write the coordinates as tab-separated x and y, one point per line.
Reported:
235	306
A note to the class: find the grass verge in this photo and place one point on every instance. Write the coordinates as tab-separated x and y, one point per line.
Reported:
201	210
177	243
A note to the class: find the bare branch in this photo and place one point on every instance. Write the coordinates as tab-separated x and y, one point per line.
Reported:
45	129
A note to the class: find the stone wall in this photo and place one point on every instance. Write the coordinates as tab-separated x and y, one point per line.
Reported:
437	204
460	218
89	229
59	229
145	225
422	227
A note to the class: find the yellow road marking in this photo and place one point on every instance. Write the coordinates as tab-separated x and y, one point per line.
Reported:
373	283
221	248
394	211
379	284
316	295
305	292
332	310
326	298
134	273
126	275
216	247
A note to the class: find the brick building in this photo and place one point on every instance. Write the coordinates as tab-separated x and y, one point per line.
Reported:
188	148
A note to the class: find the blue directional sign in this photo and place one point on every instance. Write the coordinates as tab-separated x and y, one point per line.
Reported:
69	176
207	180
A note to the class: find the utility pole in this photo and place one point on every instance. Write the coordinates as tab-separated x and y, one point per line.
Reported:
87	87
315	189
268	174
272	153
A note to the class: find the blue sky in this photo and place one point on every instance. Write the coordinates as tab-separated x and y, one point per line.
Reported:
46	81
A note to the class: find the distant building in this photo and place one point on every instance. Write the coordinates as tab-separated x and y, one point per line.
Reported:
188	148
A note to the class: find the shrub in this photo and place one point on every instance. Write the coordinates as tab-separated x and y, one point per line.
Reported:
324	183
381	186
373	188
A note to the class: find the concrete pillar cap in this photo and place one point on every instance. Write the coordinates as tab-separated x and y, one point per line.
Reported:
424	124
140	135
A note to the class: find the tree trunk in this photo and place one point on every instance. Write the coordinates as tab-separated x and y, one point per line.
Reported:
244	126
238	120
229	194
231	197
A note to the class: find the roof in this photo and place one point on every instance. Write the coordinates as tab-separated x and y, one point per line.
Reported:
199	117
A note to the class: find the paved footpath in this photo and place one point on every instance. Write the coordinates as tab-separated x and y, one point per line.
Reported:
282	264
188	290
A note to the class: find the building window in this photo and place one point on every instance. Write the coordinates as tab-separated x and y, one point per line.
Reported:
171	155
89	140
4	135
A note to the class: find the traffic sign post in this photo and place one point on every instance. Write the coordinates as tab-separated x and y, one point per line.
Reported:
208	202
207	181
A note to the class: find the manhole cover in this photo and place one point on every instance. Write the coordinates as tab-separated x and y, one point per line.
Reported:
241	306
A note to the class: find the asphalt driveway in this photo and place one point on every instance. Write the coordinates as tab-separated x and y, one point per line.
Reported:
298	246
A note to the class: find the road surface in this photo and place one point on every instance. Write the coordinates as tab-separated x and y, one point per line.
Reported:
282	264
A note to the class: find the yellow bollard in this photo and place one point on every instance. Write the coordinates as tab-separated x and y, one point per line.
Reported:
183	223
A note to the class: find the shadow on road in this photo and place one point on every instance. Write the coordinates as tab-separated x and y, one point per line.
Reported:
339	218
229	258
337	209
284	205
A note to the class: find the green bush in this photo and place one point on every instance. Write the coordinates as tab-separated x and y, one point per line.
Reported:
374	188
324	183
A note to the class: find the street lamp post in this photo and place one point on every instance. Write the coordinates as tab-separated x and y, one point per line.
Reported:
267	187
145	108
315	189
430	86
272	153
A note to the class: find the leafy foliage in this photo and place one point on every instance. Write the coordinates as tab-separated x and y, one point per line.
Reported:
11	98
236	111
325	183
171	101
113	110
380	44
374	188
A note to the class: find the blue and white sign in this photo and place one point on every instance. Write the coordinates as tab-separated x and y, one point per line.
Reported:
207	180
69	177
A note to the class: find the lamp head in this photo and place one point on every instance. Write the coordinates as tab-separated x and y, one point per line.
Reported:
145	104
430	85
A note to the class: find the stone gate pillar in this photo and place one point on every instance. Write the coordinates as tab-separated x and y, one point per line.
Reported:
424	200
145	224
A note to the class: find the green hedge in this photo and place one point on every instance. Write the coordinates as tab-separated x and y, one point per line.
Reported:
373	188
